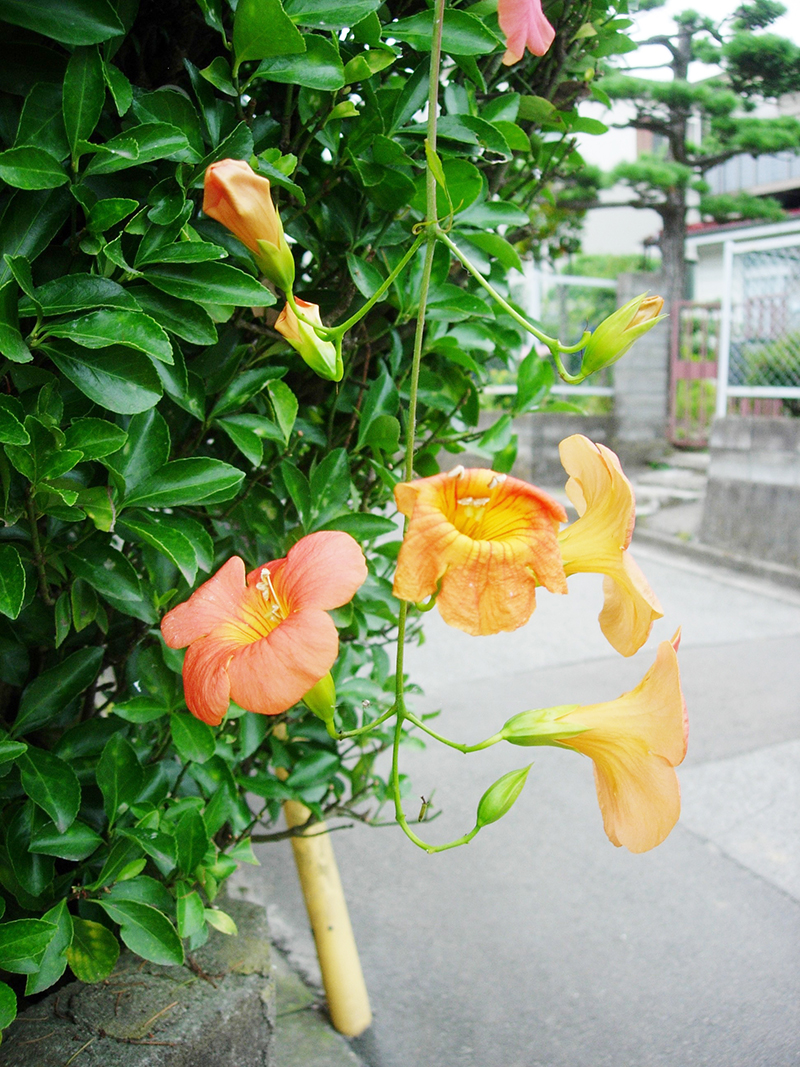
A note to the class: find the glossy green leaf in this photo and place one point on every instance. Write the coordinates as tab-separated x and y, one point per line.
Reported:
116	378
246	440
54	961
76	843
8	1005
464	184
329	14
497	247
83	22
77	292
94	951
23	942
84	94
363	66
184	318
221	921
53	689
319	67
12	345
261	28
131	329
119	776
361	525
285	406
190	913
106	569
158	531
381	399
146	931
51	783
145	450
160	847
29	222
184	252
29	167
463	34
120	88
10	750
137	145
209	283
188	481
140	709
107	213
96	438
193	739
315	768
191	835
33	873
12	581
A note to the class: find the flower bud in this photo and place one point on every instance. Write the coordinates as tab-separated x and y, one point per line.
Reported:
615	335
540	726
499	797
320	355
241	200
321	698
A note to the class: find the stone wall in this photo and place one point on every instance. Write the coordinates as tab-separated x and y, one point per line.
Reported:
752	504
641	383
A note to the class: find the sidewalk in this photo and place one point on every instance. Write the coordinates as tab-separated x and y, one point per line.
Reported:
541	945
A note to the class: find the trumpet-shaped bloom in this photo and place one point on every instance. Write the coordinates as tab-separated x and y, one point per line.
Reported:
242	201
597	542
615	335
524	26
484	540
265	639
635	743
321	356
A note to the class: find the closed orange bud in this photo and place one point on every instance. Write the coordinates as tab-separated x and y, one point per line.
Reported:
241	200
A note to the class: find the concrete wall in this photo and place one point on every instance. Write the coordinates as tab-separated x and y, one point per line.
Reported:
752	505
641	383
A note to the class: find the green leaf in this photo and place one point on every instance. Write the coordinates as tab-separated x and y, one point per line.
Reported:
75	844
82	22
146	449
159	532
190	914
194	740
140	709
31	168
191	836
119	776
299	490
497	247
184	318
96	438
8	1005
76	292
361	525
319	67
53	690
313	769
329	14
107	213
464	184
84	94
463	34
10	750
381	399
535	377
218	73
246	440
94	951
144	890
497	436
363	66
140	144
12	581
535	109
366	276
23	942
41	122
102	329
205	283
188	481
52	784
183	252
12	345
54	961
146	931
221	921
106	570
261	28
116	378
119	87
158	846
285	406
29	223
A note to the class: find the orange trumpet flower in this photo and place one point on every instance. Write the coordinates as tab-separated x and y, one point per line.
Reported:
265	639
485	540
635	743
524	25
598	541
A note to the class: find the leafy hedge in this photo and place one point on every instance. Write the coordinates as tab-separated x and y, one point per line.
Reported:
153	423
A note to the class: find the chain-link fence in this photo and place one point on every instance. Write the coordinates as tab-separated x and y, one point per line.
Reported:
760	353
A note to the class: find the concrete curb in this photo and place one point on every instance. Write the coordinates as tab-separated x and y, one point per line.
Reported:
701	553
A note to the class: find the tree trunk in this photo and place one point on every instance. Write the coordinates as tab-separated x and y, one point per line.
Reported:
673	258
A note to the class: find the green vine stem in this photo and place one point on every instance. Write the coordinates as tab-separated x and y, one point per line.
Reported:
454	744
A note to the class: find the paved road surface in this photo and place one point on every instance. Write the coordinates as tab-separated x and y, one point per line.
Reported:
542	944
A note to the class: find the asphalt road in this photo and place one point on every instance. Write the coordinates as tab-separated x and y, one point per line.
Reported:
542	944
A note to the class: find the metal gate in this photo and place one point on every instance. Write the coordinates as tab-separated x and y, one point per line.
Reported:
759	352
694	345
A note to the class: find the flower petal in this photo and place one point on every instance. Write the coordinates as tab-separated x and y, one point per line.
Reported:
524	25
216	602
488	595
270	675
323	570
630	608
205	678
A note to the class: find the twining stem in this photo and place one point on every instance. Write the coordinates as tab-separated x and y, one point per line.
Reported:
38	557
341	735
552	343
